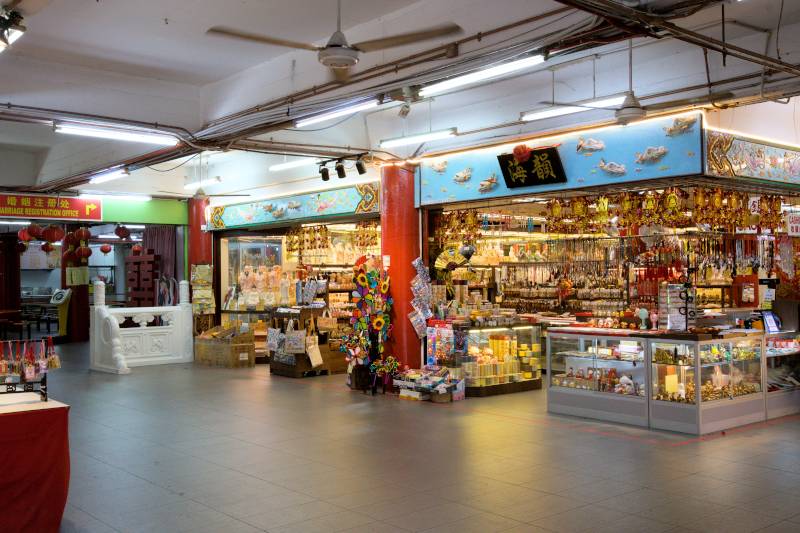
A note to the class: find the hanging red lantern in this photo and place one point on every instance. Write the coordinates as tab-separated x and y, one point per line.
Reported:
47	247
70	239
69	257
122	232
24	236
83	234
53	233
35	230
136	249
106	249
22	246
83	252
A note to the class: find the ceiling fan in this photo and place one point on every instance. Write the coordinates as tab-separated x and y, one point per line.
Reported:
629	110
337	54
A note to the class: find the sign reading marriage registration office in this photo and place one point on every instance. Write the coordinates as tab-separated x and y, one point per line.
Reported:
50	207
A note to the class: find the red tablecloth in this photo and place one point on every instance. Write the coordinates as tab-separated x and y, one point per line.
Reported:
34	479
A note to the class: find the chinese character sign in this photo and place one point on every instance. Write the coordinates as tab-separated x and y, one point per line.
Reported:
50	207
793	224
542	166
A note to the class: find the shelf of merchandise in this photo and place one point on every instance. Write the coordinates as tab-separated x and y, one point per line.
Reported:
685	411
565	397
784	401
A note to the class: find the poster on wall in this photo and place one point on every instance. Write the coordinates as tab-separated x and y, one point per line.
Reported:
658	148
357	199
50	207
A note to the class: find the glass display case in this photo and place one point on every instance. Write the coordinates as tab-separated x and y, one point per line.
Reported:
726	372
782	374
494	360
604	375
598	376
252	274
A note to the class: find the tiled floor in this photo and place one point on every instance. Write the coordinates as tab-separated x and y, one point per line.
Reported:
180	448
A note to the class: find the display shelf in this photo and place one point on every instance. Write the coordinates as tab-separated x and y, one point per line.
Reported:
679	395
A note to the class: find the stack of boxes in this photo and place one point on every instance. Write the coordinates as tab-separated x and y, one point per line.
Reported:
202	292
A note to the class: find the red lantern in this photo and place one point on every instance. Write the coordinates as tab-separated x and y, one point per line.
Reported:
69	257
53	233
22	246
24	236
83	234
106	249
136	249
83	252
122	232
47	247
35	230
70	239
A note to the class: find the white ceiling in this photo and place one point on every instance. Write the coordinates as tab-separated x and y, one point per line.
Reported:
119	58
166	40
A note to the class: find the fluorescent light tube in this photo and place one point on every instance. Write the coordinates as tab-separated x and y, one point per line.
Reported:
125	197
306	161
12	35
202	183
109	176
557	111
349	110
117	135
15	222
481	75
418	139
134	226
107	236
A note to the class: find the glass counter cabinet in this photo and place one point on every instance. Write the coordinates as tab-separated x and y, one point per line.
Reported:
782	374
727	374
602	377
689	386
496	360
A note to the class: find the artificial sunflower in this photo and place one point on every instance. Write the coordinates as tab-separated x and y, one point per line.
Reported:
378	322
385	286
361	280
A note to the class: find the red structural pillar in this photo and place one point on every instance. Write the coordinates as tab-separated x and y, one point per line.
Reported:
400	241
200	247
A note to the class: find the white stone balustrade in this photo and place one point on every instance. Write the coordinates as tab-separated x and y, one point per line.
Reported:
116	349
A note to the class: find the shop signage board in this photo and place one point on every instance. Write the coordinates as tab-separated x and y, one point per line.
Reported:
50	207
659	148
731	155
793	224
537	167
354	200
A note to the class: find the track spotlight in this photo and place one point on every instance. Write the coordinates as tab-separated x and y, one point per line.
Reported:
340	169
325	173
360	166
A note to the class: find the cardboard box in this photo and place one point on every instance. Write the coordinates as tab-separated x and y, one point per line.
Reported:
219	347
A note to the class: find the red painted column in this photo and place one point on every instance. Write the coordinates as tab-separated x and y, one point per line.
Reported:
200	242
400	241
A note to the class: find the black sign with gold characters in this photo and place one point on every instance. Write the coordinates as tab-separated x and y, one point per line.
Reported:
542	166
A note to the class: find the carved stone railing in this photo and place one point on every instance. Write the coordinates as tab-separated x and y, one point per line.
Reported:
127	337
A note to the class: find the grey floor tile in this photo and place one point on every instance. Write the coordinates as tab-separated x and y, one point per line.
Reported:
183	448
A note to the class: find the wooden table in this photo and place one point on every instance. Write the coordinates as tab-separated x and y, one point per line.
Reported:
35	480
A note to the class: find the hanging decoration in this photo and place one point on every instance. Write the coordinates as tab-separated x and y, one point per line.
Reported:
24	236
106	248
459	227
366	235
136	249
47	247
53	233
35	231
21	246
122	232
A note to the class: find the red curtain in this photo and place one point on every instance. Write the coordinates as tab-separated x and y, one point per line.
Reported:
161	239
